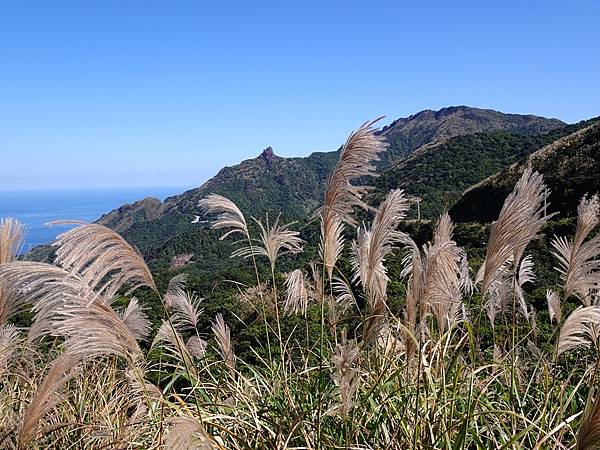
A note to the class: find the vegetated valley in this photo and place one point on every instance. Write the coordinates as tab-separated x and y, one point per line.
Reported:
430	284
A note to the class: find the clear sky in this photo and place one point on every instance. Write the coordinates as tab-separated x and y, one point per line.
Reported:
148	93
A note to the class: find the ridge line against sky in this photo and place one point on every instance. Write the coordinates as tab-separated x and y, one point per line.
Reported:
143	93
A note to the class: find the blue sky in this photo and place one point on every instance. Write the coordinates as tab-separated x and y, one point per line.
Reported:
148	93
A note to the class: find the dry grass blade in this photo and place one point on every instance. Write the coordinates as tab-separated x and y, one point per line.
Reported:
579	261
276	240
520	220
103	259
228	215
11	239
362	147
46	397
588	436
577	331
223	338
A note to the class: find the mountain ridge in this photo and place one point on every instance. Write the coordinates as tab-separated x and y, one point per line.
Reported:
294	186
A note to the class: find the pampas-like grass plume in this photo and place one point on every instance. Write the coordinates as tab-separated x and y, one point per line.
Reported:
588	435
65	305
44	286
362	147
46	397
520	220
375	243
297	293
95	329
554	307
577	331
95	252
136	320
11	239
525	274
346	375
9	334
187	433
223	338
579	261
442	275
276	240
228	215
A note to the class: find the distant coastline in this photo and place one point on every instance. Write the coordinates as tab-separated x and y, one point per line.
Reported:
36	207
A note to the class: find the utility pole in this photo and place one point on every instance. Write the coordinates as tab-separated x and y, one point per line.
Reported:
417	200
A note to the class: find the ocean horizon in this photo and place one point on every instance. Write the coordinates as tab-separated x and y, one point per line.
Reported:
37	207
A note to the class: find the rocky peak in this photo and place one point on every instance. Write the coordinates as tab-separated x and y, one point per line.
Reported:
268	155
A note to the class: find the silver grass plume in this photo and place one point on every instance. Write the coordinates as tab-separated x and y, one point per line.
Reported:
102	258
135	319
297	293
554	307
196	346
578	329
186	305
95	329
228	215
223	339
46	397
9	335
376	243
276	240
339	300
521	218
169	337
525	274
46	287
187	433
360	150
11	241
346	375
442	274
412	267
579	261
588	435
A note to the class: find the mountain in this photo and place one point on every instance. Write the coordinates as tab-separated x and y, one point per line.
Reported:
408	134
570	167
438	173
294	187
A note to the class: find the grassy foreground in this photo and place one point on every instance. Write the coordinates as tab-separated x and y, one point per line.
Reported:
88	370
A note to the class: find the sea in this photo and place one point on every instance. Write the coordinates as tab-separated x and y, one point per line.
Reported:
35	208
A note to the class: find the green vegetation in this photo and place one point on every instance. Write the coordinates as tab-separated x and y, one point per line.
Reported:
570	166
